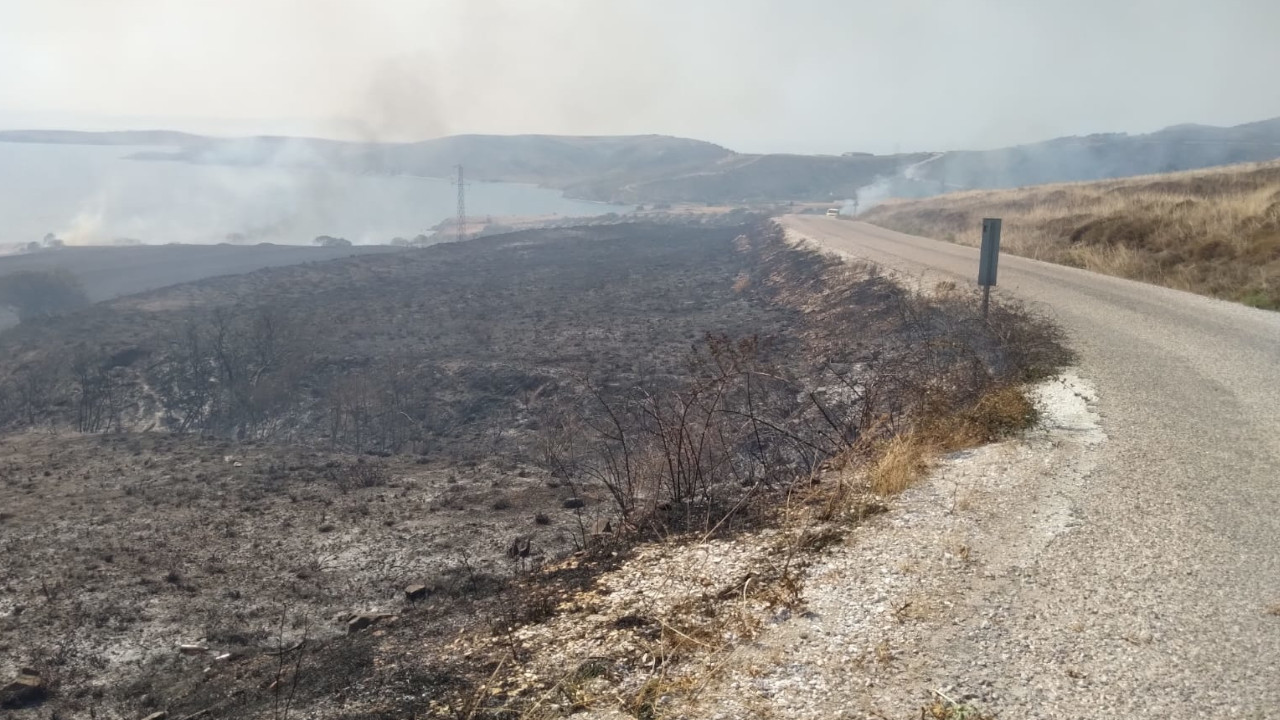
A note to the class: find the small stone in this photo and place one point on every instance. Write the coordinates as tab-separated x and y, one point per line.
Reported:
192	649
24	690
416	592
360	621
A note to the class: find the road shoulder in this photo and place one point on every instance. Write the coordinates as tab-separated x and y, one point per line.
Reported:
900	611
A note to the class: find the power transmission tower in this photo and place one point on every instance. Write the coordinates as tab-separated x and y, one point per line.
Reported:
462	205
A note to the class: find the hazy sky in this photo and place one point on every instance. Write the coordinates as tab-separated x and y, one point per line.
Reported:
755	75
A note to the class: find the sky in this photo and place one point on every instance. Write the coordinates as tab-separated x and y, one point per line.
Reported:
813	76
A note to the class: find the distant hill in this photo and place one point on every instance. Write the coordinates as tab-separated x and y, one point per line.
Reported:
1100	157
661	169
76	137
555	161
755	179
626	169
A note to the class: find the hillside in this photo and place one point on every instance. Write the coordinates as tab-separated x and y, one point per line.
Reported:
746	179
552	161
644	169
1103	156
628	169
1215	232
109	272
631	169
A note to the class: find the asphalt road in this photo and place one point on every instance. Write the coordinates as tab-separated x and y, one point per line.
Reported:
1175	561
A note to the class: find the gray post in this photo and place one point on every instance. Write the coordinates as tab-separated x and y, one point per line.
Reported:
988	259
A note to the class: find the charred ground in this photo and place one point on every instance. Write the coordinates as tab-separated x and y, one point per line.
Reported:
241	463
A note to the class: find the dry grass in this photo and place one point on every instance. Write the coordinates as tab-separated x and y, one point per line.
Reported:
1215	232
999	413
905	458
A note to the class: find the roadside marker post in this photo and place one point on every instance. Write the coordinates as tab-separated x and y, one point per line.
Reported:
988	258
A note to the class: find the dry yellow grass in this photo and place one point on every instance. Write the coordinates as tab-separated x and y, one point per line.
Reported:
1214	232
999	413
904	459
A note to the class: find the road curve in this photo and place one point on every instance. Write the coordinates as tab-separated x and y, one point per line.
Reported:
1176	559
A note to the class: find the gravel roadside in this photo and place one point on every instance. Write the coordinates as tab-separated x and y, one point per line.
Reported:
1157	599
920	600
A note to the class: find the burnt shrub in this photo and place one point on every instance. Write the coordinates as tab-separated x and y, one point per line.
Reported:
359	474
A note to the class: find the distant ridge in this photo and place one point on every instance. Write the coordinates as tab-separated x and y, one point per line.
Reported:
664	169
1105	156
119	137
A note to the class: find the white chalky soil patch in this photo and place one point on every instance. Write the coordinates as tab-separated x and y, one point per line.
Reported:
1066	405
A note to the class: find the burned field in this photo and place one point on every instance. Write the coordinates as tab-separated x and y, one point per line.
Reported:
215	496
110	272
457	338
122	549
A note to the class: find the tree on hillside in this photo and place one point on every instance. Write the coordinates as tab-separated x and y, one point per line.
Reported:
236	374
331	241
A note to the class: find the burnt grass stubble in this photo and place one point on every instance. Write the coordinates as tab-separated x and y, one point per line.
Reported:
242	461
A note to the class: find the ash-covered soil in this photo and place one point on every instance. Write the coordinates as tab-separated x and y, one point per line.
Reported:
111	272
214	497
452	342
121	549
125	545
